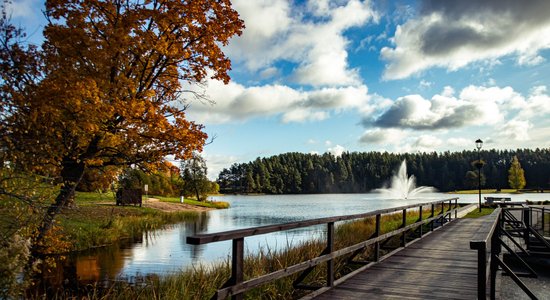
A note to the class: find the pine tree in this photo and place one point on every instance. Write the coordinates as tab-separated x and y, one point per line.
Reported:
516	177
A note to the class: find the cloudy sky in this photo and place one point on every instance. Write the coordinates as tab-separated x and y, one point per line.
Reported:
400	76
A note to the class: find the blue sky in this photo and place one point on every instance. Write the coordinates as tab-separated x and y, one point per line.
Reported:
399	76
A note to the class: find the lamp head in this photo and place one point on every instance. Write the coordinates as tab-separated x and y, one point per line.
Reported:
479	143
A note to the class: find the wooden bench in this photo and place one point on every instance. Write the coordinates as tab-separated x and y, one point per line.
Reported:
491	200
128	196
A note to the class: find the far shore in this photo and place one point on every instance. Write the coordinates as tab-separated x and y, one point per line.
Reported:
502	191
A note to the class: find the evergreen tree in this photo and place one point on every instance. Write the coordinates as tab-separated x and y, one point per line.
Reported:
360	172
516	177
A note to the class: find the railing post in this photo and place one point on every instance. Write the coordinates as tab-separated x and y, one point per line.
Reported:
543	220
527	222
376	234
420	219
403	236
237	263
450	211
330	248
482	271
432	215
456	208
495	252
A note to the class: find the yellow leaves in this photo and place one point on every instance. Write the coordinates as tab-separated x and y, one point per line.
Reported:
111	74
55	241
94	162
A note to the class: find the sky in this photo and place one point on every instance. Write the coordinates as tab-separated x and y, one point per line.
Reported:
398	76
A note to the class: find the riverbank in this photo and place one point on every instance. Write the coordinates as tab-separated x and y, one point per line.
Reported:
501	191
201	281
96	220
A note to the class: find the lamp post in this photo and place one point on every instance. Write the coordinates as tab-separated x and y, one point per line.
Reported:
479	143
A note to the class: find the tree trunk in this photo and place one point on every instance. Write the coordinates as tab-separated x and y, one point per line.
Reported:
197	193
71	175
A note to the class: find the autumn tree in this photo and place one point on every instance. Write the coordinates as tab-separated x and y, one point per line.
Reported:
107	86
98	179
516	176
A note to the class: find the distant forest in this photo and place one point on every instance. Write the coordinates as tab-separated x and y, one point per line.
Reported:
358	172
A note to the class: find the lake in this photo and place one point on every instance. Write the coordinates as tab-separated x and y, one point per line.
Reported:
166	251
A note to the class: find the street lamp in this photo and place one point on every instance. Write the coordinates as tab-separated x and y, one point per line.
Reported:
479	143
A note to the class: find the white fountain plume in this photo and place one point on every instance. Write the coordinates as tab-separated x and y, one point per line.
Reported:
403	187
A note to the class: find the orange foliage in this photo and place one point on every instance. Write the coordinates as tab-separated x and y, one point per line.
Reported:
106	88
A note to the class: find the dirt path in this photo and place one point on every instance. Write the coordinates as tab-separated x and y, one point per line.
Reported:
171	206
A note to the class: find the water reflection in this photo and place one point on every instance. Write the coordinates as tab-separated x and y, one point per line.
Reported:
166	250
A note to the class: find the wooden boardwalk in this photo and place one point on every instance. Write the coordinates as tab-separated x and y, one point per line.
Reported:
439	266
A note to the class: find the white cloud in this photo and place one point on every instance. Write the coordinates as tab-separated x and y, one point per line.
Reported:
382	136
474	106
453	34
502	117
336	150
234	102
216	163
536	104
448	92
311	142
269	72
426	143
277	31
23	8
425	84
516	131
459	142
303	115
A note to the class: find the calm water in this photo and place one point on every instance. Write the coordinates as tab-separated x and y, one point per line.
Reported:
167	251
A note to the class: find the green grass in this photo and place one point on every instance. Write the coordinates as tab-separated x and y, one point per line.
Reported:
91	198
476	214
96	221
209	204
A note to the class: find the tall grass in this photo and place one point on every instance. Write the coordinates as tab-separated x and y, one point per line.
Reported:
89	226
96	221
201	282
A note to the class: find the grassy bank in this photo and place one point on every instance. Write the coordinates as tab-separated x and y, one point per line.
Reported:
476	213
485	191
96	221
209	204
201	282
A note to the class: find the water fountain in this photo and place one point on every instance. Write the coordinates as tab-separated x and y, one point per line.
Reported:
403	187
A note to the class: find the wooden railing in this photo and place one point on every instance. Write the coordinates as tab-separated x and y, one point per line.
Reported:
236	286
487	248
487	241
537	220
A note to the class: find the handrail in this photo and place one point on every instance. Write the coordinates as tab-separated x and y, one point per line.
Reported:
488	243
206	238
543	212
484	233
481	241
236	286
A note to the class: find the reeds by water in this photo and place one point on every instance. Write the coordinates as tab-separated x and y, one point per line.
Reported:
201	281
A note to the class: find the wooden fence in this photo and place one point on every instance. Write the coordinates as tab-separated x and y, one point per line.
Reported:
236	286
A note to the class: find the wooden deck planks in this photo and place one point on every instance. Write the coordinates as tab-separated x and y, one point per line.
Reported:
440	266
